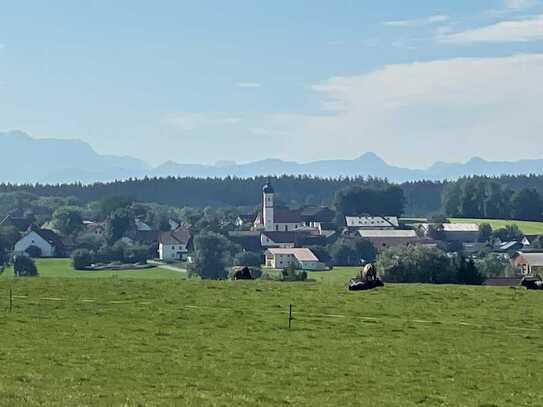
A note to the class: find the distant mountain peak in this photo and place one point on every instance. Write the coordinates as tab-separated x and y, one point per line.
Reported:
371	157
62	160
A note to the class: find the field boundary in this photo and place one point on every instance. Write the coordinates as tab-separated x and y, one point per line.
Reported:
297	315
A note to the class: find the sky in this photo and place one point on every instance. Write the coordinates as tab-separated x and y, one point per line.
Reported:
204	81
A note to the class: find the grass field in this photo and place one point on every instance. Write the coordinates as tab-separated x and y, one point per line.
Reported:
529	228
128	341
62	268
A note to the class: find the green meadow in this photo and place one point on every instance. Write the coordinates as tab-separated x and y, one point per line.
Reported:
144	339
529	228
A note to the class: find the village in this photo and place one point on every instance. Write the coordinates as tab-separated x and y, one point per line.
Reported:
276	237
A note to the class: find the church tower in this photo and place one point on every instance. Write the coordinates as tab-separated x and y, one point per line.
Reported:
267	209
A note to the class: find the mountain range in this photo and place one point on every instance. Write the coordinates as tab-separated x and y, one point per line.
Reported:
25	159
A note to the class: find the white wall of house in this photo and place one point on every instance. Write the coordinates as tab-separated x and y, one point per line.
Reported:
280	261
33	239
287	227
172	252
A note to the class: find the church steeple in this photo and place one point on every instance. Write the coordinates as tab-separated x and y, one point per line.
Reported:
267	206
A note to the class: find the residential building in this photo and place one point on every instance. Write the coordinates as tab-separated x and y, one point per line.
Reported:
174	245
301	258
529	263
47	241
383	239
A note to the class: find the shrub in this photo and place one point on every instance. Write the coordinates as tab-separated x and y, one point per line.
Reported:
81	259
24	266
289	274
255	272
416	264
351	251
467	273
136	254
33	251
249	259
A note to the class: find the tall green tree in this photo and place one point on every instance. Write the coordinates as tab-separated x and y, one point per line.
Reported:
212	255
527	204
67	220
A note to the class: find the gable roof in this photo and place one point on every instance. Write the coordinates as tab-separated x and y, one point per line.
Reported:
20	224
179	236
460	227
372	221
282	215
286	215
301	254
534	259
406	234
317	214
281	237
50	237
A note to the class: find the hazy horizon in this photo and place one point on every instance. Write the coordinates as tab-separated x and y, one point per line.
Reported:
205	82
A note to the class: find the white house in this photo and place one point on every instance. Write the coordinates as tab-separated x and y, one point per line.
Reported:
46	240
174	245
302	258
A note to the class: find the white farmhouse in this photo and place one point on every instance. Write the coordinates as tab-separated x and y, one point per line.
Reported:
300	258
46	240
174	245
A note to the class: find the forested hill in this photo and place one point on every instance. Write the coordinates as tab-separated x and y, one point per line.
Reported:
473	196
201	192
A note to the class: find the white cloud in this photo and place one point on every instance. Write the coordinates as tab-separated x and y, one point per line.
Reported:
529	29
411	114
520	4
249	85
421	112
418	22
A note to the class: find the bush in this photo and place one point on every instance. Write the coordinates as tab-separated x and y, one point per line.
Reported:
33	251
136	254
416	264
351	251
249	259
81	259
256	272
467	273
24	266
289	274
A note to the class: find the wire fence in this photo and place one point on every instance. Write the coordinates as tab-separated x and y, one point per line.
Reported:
289	312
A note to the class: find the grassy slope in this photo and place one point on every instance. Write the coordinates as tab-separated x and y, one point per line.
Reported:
167	342
53	268
529	228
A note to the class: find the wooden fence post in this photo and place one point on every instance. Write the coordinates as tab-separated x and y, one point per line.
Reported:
289	316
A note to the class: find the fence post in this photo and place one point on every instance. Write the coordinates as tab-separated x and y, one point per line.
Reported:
10	299
289	316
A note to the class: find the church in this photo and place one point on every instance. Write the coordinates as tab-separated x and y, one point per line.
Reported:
275	218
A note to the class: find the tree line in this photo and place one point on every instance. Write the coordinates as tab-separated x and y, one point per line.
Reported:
480	197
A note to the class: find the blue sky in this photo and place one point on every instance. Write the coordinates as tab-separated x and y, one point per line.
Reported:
204	81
